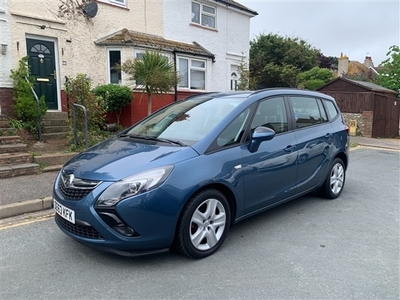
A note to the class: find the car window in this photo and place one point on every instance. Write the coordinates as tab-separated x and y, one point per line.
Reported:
271	113
306	111
233	133
331	108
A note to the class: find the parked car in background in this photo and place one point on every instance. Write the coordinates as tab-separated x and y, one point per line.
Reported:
182	176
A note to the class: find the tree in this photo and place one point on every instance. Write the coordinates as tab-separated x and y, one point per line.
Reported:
326	61
389	76
314	78
154	73
115	97
276	61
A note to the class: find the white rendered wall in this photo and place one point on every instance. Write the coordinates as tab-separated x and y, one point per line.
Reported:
5	38
229	41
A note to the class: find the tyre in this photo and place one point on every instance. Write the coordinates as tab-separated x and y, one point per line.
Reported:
334	182
204	224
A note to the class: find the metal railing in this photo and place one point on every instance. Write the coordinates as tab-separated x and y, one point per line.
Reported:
85	121
38	110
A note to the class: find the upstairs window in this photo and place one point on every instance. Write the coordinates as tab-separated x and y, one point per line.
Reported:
203	15
116	2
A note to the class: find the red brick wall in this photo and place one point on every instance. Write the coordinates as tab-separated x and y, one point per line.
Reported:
367	120
6	102
137	109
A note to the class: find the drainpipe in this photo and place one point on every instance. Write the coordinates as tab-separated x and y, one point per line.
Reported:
176	84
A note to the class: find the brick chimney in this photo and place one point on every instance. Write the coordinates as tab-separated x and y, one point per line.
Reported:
368	61
343	65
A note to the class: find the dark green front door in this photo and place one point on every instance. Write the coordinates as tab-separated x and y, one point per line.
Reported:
43	68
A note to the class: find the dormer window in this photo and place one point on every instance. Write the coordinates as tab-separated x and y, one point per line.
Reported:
204	15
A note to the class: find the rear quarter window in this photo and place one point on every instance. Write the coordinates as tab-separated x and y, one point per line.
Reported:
331	109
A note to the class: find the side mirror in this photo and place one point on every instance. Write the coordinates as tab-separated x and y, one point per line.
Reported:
260	135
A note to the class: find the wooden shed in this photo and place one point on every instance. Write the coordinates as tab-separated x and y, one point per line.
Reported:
375	109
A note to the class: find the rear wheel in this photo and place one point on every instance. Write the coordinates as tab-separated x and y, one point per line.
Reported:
334	182
204	224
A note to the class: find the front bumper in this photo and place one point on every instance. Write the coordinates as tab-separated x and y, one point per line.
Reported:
152	215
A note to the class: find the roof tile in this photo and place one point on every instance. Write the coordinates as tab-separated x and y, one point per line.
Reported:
127	37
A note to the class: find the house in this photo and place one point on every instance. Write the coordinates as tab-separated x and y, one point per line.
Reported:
373	108
207	40
355	69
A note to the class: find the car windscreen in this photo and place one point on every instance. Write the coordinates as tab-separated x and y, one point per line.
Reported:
186	121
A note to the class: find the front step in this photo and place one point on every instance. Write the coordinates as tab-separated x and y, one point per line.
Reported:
19	170
13	148
53	161
7	159
55	126
12	139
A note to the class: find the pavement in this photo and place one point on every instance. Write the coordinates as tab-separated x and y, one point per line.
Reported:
32	193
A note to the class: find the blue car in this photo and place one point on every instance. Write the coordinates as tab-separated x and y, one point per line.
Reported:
182	176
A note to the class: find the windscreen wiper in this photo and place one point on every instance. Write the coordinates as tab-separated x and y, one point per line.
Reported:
152	138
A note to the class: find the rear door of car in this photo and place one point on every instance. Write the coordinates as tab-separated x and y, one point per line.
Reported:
314	138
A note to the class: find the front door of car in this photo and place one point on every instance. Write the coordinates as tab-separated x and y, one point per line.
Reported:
314	140
270	172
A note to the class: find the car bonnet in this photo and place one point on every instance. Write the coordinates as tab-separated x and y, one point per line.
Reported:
118	158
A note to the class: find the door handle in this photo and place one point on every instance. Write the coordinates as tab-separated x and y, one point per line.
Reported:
54	74
290	148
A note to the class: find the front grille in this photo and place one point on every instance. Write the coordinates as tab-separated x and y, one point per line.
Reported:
85	231
72	193
74	188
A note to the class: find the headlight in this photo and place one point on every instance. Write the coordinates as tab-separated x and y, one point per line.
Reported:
133	185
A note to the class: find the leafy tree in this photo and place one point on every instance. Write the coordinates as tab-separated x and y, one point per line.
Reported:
389	76
115	97
154	72
314	78
244	76
25	105
276	61
326	61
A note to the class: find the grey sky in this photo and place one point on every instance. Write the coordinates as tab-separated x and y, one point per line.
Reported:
356	28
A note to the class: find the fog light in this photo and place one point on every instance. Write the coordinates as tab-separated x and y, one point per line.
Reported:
125	230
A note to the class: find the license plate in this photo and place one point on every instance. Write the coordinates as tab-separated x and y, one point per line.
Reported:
64	212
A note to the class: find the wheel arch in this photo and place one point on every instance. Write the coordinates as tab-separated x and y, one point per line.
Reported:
344	158
230	197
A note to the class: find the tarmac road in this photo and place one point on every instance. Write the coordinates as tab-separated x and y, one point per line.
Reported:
308	248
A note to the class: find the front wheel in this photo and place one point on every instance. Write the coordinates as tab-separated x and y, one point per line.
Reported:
334	182
204	224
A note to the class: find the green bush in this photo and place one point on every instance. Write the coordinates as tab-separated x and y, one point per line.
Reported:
79	91
115	97
25	106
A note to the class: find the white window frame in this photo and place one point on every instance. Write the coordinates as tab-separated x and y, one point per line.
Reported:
123	3
109	64
189	72
203	13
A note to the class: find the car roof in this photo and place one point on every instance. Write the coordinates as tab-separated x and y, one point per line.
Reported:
261	93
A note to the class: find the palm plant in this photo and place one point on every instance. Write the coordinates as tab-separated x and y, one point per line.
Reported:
152	73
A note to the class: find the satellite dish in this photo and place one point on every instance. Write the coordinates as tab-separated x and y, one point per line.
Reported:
90	10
